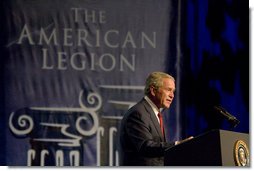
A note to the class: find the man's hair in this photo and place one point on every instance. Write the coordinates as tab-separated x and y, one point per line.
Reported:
155	80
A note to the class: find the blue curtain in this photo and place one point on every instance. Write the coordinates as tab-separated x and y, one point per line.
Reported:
214	65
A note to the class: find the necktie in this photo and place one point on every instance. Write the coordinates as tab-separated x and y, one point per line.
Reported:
161	124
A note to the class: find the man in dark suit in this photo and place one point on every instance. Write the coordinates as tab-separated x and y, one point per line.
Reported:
142	134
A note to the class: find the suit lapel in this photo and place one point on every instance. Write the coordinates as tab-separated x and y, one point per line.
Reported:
153	118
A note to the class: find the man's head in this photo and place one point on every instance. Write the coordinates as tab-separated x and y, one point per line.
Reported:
160	88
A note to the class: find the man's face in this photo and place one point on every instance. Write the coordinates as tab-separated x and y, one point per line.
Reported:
163	97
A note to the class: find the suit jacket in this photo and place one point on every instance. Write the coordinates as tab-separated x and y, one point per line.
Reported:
141	138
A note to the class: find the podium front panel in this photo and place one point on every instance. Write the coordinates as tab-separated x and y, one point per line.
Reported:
214	148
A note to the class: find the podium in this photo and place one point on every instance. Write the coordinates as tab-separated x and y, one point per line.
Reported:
214	148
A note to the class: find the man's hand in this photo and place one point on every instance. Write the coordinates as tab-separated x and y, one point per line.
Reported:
187	139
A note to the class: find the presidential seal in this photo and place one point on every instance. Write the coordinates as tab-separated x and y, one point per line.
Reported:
241	153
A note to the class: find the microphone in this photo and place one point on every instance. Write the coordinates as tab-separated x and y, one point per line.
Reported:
232	119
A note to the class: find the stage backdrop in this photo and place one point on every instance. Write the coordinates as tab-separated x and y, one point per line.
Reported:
71	70
215	65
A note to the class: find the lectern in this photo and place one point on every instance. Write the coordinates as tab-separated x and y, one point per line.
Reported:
214	148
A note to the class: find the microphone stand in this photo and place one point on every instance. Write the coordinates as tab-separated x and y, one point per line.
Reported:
232	119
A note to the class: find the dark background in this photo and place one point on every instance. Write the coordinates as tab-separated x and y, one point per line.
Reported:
215	65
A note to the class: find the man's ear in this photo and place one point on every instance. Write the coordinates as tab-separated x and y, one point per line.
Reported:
152	90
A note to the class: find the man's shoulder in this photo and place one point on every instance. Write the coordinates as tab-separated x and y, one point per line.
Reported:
139	109
139	105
